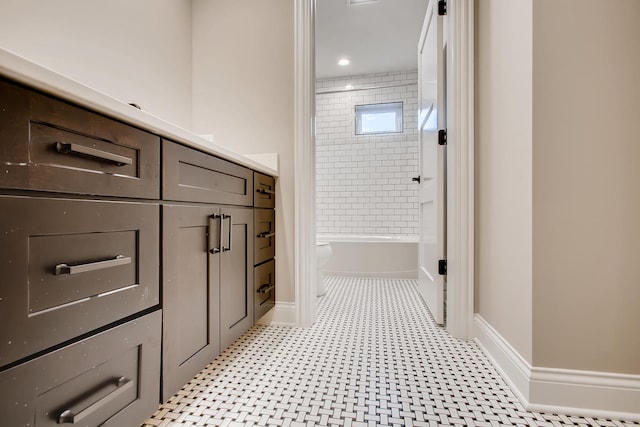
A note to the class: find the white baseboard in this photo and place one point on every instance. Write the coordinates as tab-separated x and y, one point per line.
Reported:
563	391
400	274
515	370
283	314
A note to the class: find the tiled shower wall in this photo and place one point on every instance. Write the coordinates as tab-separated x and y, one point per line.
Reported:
363	182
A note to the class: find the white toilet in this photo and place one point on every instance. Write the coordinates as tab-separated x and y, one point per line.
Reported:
323	251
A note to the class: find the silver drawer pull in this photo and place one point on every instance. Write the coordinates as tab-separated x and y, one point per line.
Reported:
266	234
68	416
265	288
71	148
91	266
265	191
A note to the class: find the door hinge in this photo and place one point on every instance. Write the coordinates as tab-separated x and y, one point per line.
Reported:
442	267
442	137
442	7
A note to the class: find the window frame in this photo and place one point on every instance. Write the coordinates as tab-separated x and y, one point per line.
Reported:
398	106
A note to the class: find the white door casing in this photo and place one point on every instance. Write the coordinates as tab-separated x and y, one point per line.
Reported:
460	159
432	193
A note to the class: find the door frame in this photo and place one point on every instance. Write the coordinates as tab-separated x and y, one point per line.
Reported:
460	165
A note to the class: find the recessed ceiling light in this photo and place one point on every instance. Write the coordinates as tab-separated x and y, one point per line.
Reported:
344	62
348	87
352	2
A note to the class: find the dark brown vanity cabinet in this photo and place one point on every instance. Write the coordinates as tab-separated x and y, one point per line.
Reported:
127	262
207	262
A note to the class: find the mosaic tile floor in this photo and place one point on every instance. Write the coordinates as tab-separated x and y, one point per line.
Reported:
373	358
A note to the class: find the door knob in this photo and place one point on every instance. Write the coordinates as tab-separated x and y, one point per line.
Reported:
416	179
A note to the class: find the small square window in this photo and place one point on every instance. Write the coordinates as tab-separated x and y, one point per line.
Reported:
379	118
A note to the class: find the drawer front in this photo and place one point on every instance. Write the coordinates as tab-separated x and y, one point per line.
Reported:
110	379
193	176
265	288
71	266
50	145
264	226
264	191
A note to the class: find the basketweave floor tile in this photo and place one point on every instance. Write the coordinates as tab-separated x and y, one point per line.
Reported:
374	357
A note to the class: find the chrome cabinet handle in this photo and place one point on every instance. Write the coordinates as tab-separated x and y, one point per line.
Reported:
265	191
265	288
91	266
213	249
71	148
70	417
228	248
266	234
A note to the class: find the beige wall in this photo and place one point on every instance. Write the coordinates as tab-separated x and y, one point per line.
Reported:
243	95
557	180
586	185
136	51
503	169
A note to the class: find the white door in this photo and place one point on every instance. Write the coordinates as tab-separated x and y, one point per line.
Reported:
432	196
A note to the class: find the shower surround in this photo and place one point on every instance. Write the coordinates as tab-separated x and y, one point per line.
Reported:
366	203
363	182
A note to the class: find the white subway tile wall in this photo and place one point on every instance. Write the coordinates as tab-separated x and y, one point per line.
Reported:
363	182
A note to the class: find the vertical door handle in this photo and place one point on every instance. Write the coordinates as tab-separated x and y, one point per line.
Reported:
212	218
228	248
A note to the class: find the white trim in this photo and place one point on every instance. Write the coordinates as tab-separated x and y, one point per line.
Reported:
586	393
562	391
396	274
515	370
283	314
460	168
304	156
460	179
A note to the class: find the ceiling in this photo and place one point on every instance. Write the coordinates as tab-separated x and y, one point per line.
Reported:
377	36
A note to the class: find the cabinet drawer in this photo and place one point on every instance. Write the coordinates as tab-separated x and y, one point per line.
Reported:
265	288
110	379
264	194
264	226
71	266
50	145
190	175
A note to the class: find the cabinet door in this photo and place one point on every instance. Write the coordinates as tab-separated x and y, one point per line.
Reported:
190	284
236	274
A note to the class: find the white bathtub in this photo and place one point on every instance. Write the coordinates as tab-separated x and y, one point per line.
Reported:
372	256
